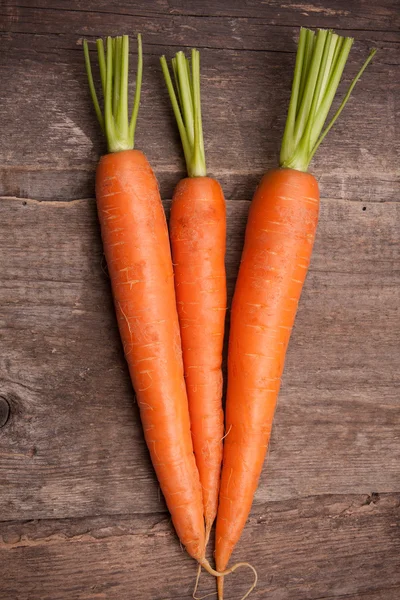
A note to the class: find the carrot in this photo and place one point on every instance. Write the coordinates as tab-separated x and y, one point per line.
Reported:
198	239
136	246
278	243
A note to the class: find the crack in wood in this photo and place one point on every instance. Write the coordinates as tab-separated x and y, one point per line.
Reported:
176	13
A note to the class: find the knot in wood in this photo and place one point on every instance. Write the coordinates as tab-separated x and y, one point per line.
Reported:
4	411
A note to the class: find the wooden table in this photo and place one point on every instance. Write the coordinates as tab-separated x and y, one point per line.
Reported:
81	513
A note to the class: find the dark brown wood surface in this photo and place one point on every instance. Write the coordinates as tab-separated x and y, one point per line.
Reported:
81	515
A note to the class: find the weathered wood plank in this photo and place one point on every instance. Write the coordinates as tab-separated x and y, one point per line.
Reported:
73	445
332	547
362	15
247	67
209	31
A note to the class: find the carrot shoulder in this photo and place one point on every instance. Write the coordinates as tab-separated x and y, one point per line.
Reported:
278	243
198	241
136	246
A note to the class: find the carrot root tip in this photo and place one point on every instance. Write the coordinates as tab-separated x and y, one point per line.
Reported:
204	563
197	585
220	588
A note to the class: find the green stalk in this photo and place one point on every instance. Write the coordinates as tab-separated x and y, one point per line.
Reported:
91	85
308	49
320	62
114	74
187	149
287	141
138	89
102	63
176	79
117	48
326	103
311	81
108	115
121	117
198	159
185	92
330	60
186	104
318	90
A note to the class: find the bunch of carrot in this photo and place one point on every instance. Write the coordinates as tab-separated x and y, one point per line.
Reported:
171	308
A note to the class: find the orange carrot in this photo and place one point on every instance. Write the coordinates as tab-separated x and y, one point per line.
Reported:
136	246
198	232
278	243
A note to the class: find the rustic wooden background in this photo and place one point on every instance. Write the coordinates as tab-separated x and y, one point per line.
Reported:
81	517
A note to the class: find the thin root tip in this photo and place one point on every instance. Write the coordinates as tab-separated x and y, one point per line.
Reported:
254	584
220	588
221	574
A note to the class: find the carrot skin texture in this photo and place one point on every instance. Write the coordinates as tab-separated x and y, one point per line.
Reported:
198	242
137	250
277	250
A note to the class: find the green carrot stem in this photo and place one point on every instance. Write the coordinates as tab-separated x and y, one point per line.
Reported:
198	142
320	62
313	67
102	64
108	115
114	74
121	118
117	48
288	138
185	94
138	89
308	50
176	79
186	104
331	88
187	149
91	85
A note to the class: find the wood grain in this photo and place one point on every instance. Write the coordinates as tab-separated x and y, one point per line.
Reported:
73	445
81	516
51	143
342	547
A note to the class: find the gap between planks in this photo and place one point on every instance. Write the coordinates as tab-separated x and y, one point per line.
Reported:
75	201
